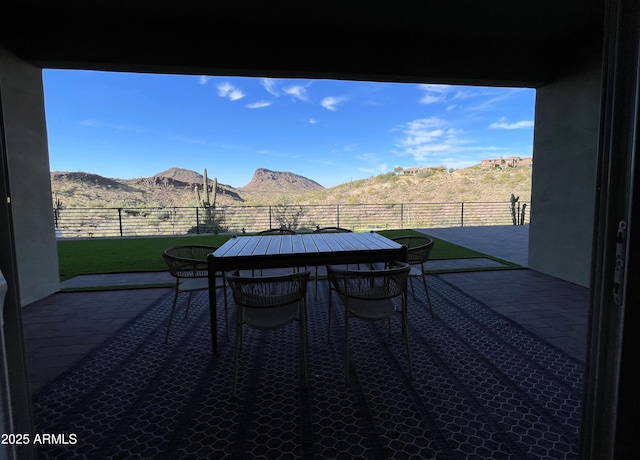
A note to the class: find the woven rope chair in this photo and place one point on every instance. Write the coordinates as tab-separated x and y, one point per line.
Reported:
331	230
369	295
277	231
418	251
188	265
267	303
326	230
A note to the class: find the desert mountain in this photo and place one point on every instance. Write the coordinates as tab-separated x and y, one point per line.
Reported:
181	175
277	183
175	187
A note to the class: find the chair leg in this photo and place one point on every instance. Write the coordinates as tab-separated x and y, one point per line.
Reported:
186	312
426	289
226	306
412	289
173	309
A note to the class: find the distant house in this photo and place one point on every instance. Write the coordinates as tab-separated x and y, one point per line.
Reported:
414	171
509	162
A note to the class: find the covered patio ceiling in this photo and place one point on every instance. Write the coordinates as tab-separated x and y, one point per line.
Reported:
521	43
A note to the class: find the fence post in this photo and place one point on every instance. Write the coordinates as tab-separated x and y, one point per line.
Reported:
462	214
270	226
197	221
120	219
337	215
401	215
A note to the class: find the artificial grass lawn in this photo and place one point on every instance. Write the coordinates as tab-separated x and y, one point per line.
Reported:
441	249
121	255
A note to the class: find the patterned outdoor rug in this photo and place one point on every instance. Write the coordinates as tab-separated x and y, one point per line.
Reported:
484	388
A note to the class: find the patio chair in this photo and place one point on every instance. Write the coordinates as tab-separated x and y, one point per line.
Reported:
370	295
331	230
267	303
188	265
418	250
326	230
277	231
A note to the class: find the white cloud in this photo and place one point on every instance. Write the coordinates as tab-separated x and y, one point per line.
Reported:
259	104
331	102
431	99
313	121
432	141
486	98
426	138
297	91
203	79
226	89
270	84
442	89
503	123
434	93
493	96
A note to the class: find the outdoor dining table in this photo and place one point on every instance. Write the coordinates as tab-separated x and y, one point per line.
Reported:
299	250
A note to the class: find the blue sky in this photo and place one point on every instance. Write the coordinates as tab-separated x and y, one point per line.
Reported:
126	125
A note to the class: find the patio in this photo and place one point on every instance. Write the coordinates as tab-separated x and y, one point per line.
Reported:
63	329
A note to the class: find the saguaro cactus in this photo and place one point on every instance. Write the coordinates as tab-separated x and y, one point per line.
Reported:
514	200
524	211
207	201
57	209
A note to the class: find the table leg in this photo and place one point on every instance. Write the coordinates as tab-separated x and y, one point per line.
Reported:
213	308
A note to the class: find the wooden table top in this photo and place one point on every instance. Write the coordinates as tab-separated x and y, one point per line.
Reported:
270	251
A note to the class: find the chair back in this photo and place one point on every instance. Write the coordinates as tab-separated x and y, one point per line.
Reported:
188	260
379	284
332	230
277	231
418	248
269	302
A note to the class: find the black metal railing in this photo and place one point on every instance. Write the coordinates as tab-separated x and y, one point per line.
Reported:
110	222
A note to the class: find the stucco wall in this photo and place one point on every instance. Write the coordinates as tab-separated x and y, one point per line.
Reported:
565	149
30	186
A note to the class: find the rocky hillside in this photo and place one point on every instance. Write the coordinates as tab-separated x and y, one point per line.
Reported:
175	187
468	185
275	183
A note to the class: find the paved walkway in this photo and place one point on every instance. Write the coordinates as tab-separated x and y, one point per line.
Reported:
506	242
62	328
118	279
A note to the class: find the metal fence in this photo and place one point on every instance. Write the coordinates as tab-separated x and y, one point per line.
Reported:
109	222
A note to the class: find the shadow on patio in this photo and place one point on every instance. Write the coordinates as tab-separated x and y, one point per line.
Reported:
497	374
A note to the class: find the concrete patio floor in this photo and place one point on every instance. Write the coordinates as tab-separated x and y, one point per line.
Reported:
64	327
